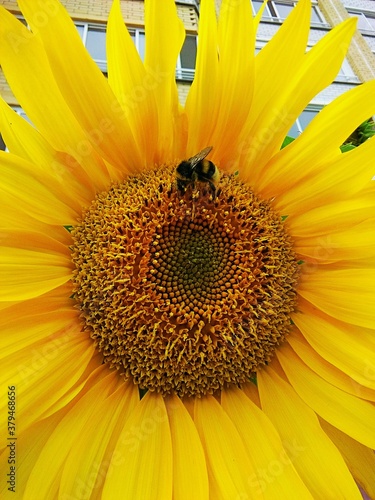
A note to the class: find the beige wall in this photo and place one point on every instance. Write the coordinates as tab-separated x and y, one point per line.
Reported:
98	10
360	56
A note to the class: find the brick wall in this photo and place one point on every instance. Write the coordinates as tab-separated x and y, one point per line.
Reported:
183	89
98	10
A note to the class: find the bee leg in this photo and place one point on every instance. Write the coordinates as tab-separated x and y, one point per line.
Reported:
213	190
181	185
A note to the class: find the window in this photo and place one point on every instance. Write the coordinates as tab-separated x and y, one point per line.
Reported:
139	40
346	73
303	120
94	39
366	21
278	10
194	3
186	61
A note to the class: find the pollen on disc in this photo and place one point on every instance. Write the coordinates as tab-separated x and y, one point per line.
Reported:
185	293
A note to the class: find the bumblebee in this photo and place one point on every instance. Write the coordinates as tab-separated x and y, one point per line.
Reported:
197	168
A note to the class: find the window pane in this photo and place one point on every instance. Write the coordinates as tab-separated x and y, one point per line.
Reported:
80	30
2	144
189	52
141	45
362	23
293	132
371	21
315	16
95	44
305	117
283	9
257	4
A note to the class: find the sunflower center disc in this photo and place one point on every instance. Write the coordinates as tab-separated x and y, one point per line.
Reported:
182	292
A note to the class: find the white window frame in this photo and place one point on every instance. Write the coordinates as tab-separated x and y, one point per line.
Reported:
275	16
102	63
309	107
193	3
363	13
185	74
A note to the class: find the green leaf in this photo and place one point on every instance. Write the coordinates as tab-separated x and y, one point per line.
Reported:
347	147
287	141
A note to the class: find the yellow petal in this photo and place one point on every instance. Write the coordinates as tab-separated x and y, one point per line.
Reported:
356	243
14	217
62	174
251	391
316	71
19	186
348	347
63	438
28	326
201	102
348	413
360	460
277	61
41	369
332	217
91	458
36	242
144	443
305	158
132	84
337	231
22	58
275	475
313	455
344	294
31	264
33	441
325	370
235	78
229	467
189	465
344	175
165	36
79	79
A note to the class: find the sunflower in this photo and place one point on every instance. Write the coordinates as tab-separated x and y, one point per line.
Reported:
187	307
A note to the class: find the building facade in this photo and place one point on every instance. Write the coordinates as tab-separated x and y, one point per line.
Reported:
90	17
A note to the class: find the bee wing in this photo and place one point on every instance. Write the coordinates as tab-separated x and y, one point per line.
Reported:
194	160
